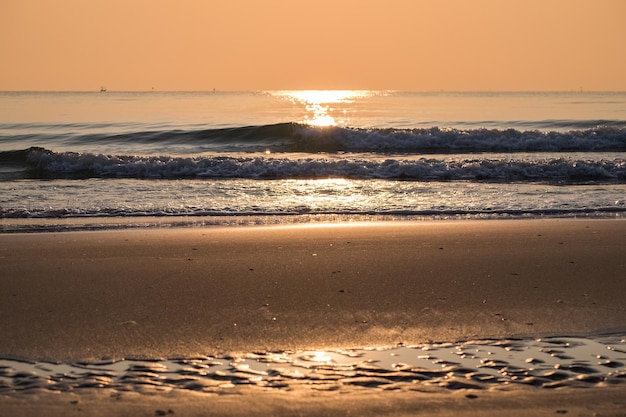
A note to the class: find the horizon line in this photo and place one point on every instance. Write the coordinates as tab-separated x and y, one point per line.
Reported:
579	90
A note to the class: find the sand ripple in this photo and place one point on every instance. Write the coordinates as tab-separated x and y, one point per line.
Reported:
484	364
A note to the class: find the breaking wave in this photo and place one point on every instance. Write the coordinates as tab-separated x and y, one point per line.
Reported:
40	163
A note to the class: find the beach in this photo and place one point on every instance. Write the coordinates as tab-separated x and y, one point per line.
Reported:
198	291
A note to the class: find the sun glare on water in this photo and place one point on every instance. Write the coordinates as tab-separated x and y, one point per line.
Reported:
323	107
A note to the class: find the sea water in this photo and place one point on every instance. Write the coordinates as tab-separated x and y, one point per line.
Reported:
548	363
110	158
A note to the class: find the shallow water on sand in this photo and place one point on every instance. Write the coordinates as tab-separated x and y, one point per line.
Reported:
484	364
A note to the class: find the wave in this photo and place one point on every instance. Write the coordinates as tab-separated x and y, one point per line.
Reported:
605	136
267	216
40	163
440	140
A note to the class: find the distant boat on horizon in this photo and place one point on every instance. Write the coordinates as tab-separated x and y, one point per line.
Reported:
103	89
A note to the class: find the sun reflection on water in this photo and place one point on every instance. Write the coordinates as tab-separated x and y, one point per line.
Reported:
321	356
324	107
321	194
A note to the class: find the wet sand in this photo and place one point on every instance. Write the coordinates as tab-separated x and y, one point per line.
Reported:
211	291
605	402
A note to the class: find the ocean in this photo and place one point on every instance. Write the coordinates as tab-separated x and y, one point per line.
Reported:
95	160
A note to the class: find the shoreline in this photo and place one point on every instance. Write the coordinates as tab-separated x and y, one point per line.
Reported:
10	225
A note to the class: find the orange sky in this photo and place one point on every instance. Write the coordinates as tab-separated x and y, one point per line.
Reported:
323	44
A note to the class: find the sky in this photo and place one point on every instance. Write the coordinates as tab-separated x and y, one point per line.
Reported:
416	45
